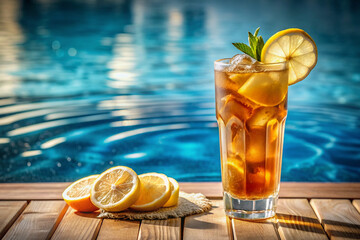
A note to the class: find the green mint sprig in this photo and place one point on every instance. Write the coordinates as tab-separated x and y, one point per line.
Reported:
256	45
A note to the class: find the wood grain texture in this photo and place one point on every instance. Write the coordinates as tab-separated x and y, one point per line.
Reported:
297	220
264	229
205	226
319	190
160	229
209	189
38	220
119	230
339	217
9	211
53	191
77	225
32	191
356	204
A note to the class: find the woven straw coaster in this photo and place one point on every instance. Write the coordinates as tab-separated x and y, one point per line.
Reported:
189	204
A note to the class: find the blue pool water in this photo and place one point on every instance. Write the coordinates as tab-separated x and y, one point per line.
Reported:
87	85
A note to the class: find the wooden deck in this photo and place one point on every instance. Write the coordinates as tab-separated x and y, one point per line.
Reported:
305	211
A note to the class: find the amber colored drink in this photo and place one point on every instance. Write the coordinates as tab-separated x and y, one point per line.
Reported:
251	109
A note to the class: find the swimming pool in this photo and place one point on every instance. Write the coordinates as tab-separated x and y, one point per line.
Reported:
86	85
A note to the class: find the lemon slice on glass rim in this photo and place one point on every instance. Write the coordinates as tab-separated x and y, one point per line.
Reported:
294	46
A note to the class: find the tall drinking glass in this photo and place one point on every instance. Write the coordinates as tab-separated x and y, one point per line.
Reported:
251	109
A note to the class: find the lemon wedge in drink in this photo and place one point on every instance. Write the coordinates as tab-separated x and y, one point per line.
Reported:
294	46
77	195
116	189
155	191
234	177
267	88
174	198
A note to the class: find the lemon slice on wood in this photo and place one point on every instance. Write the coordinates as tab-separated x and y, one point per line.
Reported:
155	191
174	198
77	195
116	189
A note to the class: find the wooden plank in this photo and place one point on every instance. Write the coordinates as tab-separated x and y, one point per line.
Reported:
77	225
319	190
38	221
160	229
264	229
32	191
205	226
9	212
119	230
297	220
356	204
209	189
53	191
339	217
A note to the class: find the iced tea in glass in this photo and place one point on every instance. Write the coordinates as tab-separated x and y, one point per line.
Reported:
251	109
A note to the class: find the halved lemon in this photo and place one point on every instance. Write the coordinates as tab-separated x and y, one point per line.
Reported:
294	46
77	195
174	198
155	192
116	189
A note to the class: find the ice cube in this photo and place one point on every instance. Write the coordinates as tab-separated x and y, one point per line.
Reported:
223	84
272	130
272	139
235	138
255	180
261	116
242	59
232	106
242	62
255	145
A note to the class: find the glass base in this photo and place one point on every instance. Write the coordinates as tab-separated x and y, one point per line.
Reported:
250	209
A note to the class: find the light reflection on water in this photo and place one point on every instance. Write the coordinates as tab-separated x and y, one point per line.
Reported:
86	85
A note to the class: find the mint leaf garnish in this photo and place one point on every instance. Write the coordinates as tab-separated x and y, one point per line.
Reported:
244	48
259	47
253	43
256	45
256	32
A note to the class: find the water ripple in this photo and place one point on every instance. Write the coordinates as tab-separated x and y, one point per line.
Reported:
140	131
173	132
